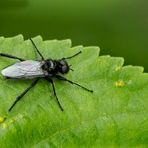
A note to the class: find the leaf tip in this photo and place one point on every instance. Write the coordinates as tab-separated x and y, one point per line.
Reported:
118	68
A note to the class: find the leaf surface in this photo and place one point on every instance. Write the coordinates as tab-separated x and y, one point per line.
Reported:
115	115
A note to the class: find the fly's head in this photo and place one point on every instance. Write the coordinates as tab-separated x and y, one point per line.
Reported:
63	66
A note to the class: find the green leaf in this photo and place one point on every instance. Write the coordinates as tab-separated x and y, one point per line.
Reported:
115	115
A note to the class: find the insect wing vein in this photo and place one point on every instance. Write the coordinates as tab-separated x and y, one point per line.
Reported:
24	69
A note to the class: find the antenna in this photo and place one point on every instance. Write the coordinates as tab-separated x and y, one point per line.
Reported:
73	55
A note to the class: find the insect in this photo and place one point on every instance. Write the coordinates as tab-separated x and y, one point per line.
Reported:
38	69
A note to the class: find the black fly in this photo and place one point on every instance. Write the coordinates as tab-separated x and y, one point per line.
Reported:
46	68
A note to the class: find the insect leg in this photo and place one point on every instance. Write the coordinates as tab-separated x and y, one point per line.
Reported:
37	49
23	93
73	55
10	56
50	80
64	79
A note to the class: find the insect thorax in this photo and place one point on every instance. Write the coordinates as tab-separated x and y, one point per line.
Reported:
49	67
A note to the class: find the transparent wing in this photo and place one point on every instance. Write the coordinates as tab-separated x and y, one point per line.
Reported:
25	69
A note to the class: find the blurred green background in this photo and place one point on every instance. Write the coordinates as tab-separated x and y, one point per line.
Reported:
119	27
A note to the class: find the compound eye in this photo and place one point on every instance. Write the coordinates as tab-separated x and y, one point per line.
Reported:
62	62
64	69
